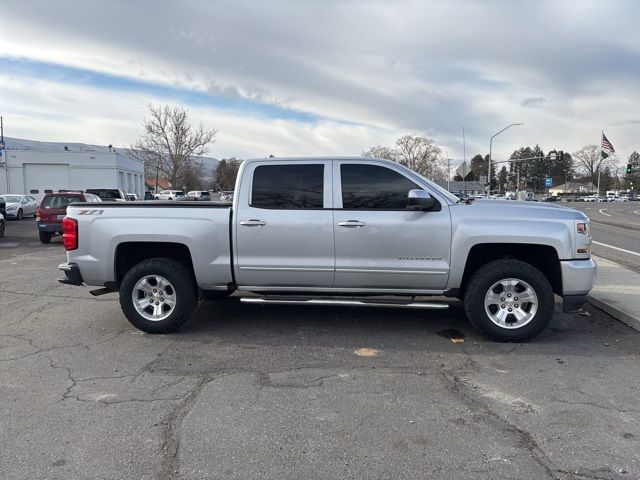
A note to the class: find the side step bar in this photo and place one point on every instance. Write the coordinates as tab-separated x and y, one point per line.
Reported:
345	303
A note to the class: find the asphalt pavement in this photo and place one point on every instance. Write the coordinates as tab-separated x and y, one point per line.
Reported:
292	392
615	230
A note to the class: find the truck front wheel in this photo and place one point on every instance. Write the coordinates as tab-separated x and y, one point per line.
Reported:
158	295
509	300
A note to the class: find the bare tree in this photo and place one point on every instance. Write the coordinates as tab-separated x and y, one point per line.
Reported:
170	143
226	173
192	177
589	160
380	152
420	154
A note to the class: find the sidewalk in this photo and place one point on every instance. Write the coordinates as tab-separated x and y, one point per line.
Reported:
617	292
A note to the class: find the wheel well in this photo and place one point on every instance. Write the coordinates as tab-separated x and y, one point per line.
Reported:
542	257
129	254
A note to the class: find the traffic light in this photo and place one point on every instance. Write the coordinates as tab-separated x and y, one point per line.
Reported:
560	156
629	168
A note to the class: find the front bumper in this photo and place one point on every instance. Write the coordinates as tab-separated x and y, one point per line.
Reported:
71	274
578	278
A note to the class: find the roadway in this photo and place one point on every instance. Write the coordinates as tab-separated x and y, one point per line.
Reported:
615	229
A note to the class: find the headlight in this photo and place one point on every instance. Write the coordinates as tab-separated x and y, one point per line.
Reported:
582	228
12	208
583	238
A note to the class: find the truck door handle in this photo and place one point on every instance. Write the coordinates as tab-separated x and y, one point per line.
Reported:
253	223
351	223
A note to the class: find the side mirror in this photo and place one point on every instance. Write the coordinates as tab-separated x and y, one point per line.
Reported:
420	200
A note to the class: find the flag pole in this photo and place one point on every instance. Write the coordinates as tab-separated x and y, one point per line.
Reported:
600	164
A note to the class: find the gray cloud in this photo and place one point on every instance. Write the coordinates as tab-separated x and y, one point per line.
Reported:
411	66
533	102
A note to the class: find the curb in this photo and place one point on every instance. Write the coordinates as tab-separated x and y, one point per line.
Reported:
614	304
615	312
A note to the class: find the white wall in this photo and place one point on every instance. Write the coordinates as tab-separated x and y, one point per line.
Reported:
87	169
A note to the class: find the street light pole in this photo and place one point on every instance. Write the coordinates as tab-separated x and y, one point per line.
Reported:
490	152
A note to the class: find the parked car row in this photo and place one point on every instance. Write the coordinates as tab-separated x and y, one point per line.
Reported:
18	206
53	209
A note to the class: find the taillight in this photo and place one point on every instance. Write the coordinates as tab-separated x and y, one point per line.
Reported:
70	233
38	213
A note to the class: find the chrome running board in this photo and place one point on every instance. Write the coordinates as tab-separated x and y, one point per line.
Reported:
345	303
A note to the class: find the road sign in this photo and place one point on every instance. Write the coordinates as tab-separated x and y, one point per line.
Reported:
548	182
462	170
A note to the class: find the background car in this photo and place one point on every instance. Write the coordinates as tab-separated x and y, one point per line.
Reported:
1	225
199	195
132	197
3	211
53	209
170	195
109	194
226	196
19	206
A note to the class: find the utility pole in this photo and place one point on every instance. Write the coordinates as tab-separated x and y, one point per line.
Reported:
448	173
490	152
464	162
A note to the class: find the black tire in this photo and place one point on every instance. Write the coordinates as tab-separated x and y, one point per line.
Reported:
182	282
1	228
169	198
215	294
489	274
45	237
20	214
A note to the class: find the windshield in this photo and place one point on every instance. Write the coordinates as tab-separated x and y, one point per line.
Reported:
12	198
105	193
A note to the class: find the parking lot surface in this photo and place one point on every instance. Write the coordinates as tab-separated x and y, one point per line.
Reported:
291	392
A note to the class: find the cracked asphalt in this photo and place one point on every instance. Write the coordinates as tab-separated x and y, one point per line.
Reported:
288	392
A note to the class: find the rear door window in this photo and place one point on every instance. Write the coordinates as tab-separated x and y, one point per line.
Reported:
288	186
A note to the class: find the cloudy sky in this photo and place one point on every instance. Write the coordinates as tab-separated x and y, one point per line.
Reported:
326	77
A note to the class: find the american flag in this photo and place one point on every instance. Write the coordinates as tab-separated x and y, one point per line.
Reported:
606	144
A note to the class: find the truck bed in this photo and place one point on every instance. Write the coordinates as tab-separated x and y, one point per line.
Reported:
108	228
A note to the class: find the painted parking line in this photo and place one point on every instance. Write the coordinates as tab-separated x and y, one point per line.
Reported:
601	211
637	212
617	248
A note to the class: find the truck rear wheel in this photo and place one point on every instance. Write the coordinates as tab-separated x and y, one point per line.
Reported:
509	300
158	295
45	237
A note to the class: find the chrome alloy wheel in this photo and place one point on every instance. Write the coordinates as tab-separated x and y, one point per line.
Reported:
154	297
511	303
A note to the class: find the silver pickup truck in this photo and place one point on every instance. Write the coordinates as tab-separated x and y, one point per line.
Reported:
325	231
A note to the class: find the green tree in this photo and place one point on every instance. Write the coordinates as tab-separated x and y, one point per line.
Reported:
503	175
226	173
561	171
632	180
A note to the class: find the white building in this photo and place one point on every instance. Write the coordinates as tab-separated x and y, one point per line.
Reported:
35	168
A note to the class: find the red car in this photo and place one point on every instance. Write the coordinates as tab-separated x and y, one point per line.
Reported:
53	208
